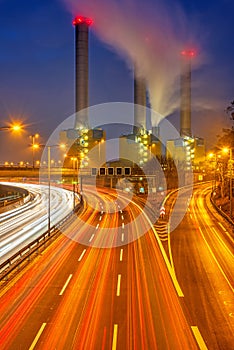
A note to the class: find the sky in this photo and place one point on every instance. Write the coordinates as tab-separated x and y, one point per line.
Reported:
37	61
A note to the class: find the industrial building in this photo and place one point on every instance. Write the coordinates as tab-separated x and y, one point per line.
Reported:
188	150
137	148
142	144
86	144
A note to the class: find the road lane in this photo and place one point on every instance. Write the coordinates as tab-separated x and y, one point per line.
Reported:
202	254
89	315
20	226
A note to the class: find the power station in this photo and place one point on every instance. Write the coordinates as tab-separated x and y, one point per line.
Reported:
82	139
187	149
81	25
140	145
139	102
185	108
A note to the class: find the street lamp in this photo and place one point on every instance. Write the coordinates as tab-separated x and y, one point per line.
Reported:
226	150
13	127
75	178
211	156
230	182
35	146
61	146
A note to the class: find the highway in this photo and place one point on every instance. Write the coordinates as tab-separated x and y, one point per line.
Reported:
201	253
135	295
76	296
23	224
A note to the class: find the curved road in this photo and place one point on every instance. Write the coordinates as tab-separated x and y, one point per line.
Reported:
77	296
201	252
22	225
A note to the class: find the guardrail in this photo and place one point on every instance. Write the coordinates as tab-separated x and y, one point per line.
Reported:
14	262
221	212
9	200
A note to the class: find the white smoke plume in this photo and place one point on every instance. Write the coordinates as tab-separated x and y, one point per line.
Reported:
149	34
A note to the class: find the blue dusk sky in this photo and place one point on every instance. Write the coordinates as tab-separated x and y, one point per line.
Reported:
37	61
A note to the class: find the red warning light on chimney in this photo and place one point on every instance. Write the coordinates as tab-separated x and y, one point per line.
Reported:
82	20
188	53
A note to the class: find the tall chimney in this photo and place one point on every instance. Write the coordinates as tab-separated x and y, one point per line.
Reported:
82	25
185	111
139	100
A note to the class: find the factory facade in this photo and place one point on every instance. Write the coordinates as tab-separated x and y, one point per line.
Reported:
138	147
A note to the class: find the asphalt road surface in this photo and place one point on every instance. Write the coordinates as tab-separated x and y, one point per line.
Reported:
84	296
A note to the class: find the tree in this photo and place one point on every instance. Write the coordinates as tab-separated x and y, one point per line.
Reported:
230	110
226	139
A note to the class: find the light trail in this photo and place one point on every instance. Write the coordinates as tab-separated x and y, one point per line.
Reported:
99	310
20	226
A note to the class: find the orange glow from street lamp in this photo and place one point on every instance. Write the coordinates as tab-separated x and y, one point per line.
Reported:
211	155
225	150
16	127
62	146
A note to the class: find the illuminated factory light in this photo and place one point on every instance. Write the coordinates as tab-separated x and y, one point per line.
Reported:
188	53
82	20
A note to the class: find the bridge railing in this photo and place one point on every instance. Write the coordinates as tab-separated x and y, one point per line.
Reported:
24	254
220	211
9	199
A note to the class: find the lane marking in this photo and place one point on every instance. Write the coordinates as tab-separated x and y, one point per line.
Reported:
169	245
122	225
97	226
121	211
118	286
104	339
92	237
121	255
212	254
65	285
83	253
114	341
122	217
37	336
169	263
164	254
222	226
122	238
221	241
199	338
100	218
227	233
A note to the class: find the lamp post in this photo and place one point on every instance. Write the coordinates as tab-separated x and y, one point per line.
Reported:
226	150
75	178
35	146
13	127
48	156
230	187
62	146
211	156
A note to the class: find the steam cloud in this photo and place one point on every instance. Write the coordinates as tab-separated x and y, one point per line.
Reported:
149	35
